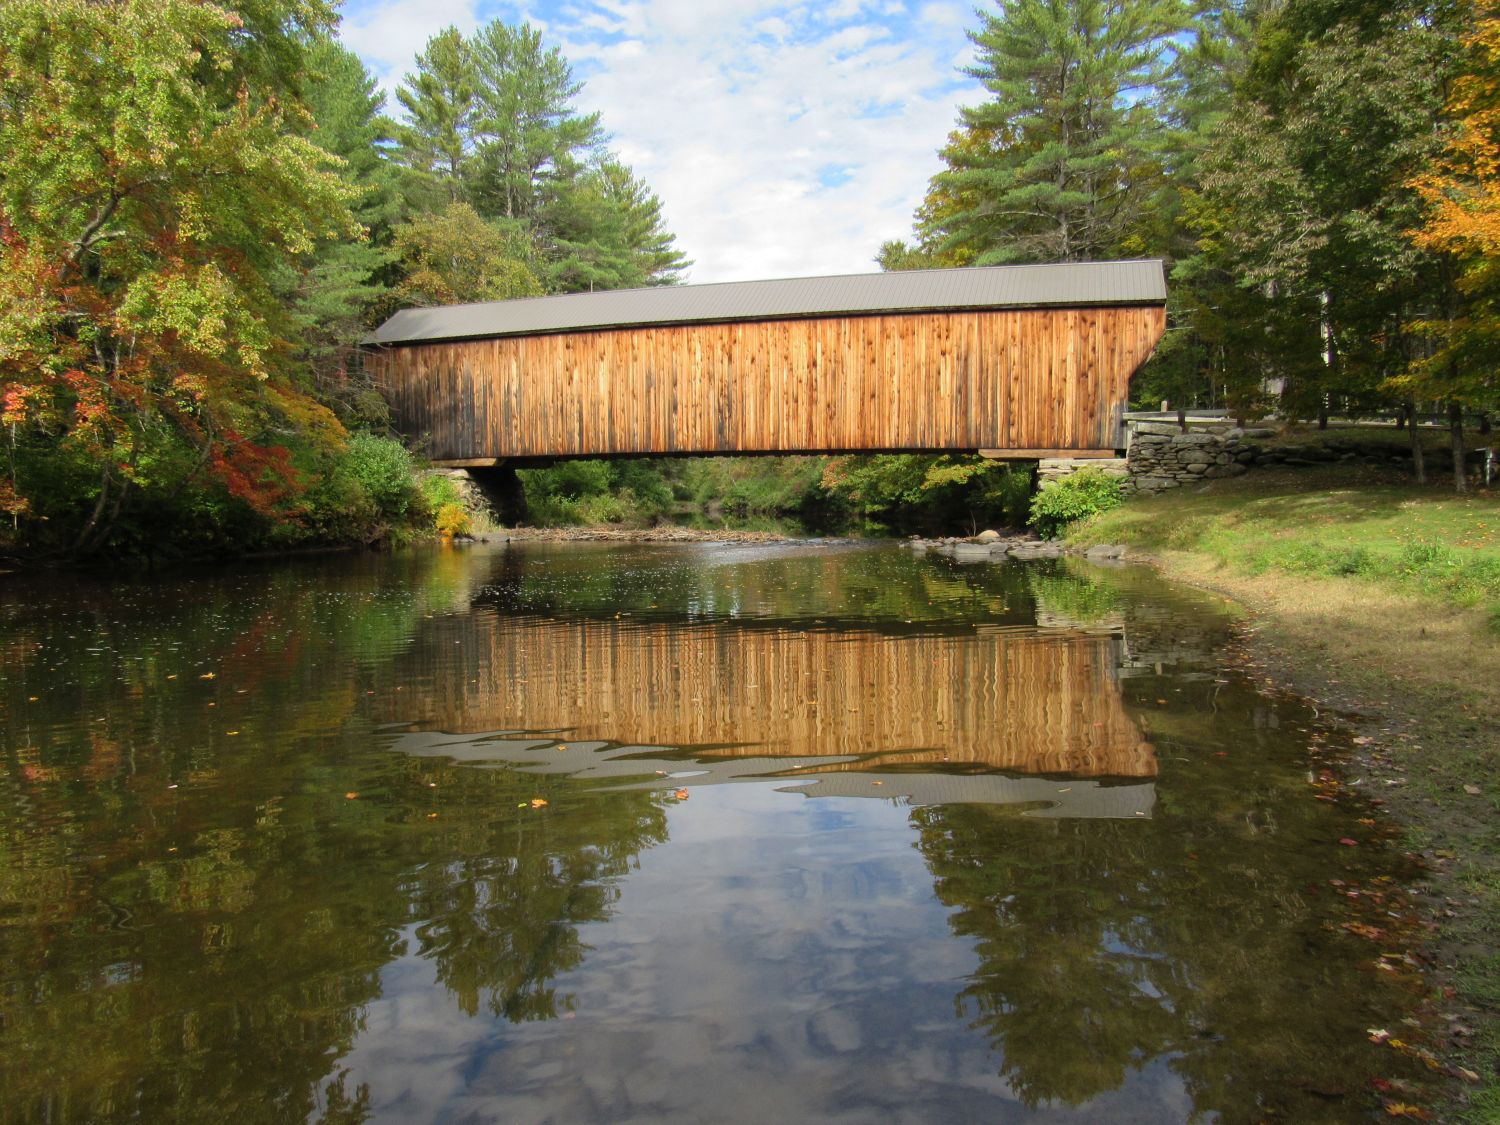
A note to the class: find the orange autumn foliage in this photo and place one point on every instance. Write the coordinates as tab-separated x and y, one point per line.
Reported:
1463	189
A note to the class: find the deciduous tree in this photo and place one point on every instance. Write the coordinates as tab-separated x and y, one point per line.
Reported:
154	179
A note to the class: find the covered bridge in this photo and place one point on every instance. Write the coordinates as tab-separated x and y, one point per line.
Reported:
1016	361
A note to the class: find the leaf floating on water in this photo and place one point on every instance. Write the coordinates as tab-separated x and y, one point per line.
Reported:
538	802
351	795
681	794
1348	843
208	676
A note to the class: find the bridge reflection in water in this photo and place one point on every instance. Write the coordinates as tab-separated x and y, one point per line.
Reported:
931	717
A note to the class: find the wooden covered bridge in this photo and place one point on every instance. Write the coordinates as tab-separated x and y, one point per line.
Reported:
1013	361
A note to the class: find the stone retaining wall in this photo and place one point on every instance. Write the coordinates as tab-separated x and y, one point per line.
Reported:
1162	456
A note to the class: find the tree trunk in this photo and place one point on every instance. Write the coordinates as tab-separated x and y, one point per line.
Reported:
94	516
1484	423
1456	432
1418	465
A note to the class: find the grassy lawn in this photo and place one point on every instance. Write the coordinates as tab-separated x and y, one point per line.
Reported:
1381	600
1330	522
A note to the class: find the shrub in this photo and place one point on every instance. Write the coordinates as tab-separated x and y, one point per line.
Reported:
382	468
453	520
1073	498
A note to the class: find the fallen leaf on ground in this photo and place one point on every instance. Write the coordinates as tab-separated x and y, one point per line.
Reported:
1402	1109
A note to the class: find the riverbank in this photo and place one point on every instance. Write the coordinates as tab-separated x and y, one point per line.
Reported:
662	534
1380	600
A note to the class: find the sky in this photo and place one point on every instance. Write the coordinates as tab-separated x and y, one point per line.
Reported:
784	139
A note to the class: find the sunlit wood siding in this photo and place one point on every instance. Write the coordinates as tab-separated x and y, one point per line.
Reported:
1030	379
1006	699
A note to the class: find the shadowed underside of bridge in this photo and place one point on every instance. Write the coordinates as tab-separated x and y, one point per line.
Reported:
1016	361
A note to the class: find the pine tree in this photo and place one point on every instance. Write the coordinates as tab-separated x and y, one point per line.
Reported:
527	134
1075	86
344	279
439	98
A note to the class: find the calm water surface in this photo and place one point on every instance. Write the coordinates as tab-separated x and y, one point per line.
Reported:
673	833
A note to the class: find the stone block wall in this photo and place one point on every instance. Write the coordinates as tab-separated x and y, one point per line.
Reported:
1162	456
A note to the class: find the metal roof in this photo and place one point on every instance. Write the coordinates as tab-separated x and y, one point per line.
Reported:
1067	284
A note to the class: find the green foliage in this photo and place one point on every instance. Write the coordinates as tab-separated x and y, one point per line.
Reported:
908	490
493	127
588	492
382	468
1073	498
156	188
437	490
1073	87
439	101
343	283
1315	173
751	486
454	256
201	215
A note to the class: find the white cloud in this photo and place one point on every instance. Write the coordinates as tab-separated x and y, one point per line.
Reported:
388	35
784	140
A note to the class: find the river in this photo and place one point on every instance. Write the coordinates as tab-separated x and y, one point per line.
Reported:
708	832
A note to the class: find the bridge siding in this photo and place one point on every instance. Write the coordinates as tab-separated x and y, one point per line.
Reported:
1020	700
1003	379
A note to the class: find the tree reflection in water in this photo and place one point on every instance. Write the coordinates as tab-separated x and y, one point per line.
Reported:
1202	937
212	858
199	893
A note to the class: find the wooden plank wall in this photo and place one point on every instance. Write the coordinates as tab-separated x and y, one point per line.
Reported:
1012	379
1006	699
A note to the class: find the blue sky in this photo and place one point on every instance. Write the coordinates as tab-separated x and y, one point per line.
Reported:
784	139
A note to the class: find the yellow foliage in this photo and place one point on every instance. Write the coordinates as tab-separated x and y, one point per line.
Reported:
1463	189
453	520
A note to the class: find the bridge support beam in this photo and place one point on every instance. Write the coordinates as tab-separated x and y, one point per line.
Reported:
1044	454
